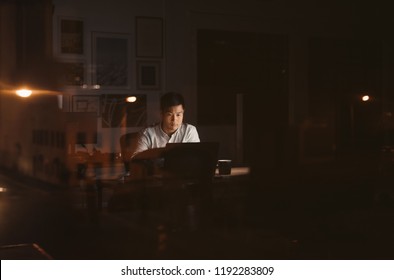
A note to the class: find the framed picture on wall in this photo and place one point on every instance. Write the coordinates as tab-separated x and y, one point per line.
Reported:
117	112
86	103
72	73
111	60
148	75
149	37
71	36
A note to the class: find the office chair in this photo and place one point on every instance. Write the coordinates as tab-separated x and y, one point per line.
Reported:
128	144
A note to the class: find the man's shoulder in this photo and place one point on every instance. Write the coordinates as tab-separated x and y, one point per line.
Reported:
150	128
188	126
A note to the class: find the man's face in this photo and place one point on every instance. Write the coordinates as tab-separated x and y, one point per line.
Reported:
172	118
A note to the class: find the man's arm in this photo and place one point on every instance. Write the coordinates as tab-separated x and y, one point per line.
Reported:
192	134
142	144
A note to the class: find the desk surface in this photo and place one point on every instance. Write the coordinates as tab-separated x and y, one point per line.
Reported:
235	171
115	171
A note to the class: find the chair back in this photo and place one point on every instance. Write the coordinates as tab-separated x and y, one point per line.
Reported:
128	143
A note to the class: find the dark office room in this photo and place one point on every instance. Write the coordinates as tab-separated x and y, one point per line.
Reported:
282	130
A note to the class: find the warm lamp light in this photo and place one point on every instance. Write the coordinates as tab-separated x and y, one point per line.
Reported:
365	98
23	92
131	99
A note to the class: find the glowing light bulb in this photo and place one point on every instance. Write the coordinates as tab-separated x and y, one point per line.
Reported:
131	99
365	98
24	92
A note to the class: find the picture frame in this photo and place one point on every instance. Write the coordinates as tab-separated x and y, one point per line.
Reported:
111	60
148	75
71	36
86	103
117	112
72	73
149	37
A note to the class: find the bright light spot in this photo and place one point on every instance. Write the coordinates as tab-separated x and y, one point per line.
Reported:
84	86
365	98
96	86
60	101
24	92
131	99
2	189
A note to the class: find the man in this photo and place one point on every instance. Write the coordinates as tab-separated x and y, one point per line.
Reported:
171	128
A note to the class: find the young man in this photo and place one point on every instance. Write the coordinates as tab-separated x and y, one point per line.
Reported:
171	128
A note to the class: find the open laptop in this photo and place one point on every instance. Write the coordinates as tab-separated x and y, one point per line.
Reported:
193	159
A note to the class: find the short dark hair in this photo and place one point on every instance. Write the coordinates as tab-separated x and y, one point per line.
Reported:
170	99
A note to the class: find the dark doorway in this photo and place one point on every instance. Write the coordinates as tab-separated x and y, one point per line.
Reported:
256	66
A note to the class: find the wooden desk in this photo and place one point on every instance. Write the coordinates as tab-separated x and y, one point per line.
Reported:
235	172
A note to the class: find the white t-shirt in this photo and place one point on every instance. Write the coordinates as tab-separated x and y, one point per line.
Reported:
154	137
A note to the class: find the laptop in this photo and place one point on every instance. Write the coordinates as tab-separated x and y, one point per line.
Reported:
191	160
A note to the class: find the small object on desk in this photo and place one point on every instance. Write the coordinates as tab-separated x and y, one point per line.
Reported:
224	166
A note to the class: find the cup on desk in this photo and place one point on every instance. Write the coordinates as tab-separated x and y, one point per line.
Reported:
224	166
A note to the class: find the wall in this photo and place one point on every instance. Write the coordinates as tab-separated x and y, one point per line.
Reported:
110	17
298	21
179	64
